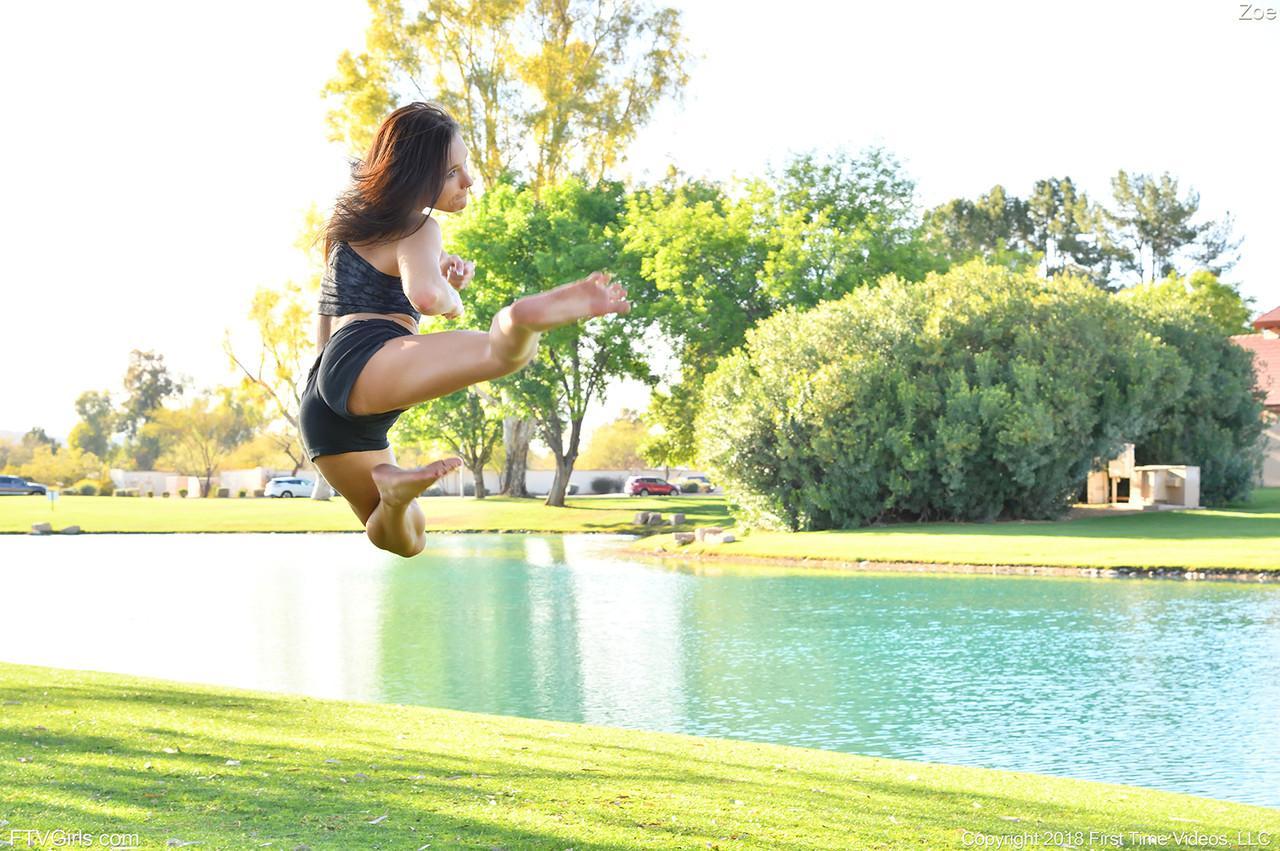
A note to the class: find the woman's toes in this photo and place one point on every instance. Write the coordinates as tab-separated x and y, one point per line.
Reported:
443	466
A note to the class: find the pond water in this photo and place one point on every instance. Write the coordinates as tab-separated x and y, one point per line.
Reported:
1165	684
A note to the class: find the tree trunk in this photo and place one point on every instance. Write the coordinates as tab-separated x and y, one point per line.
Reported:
560	486
564	463
322	491
478	474
516	433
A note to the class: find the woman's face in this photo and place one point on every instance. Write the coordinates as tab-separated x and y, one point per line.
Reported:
453	197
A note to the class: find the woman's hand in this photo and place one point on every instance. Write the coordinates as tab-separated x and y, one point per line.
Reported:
456	271
455	308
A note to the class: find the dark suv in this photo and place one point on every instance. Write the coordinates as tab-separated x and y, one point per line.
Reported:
15	485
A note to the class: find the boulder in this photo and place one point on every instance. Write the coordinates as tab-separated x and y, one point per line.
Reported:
71	530
683	538
677	519
655	519
726	538
702	532
41	528
642	518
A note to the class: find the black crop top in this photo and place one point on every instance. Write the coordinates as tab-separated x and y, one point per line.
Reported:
351	284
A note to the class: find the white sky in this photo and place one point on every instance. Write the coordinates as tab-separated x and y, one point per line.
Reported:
158	157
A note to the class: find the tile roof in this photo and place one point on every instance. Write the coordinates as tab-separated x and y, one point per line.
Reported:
1270	319
1266	363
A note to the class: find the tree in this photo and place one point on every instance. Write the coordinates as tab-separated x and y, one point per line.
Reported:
719	259
1152	224
1218	251
670	439
60	468
147	384
12	455
262	450
598	71
1068	231
37	437
469	422
841	220
523	242
1215	421
1219	304
273	377
578	79
996	228
516	435
616	445
203	433
96	426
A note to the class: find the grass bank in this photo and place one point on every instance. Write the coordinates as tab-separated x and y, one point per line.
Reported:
1243	537
228	768
444	514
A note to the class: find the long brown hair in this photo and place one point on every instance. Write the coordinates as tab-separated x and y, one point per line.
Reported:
403	172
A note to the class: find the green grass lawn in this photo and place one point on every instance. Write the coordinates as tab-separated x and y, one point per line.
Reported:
1242	537
229	769
495	514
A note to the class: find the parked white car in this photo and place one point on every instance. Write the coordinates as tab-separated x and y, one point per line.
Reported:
288	486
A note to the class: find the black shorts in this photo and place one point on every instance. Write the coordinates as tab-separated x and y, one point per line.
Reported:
328	428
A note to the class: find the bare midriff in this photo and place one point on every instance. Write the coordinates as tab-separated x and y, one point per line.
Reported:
336	322
382	256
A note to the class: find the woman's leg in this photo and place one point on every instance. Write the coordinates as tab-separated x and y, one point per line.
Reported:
409	370
384	496
412	369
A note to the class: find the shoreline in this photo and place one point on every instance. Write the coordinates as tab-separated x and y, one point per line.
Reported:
1207	574
1204	574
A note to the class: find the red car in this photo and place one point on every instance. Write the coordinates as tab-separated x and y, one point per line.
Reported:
646	485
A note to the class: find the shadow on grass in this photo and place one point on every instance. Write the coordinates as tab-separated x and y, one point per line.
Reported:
456	787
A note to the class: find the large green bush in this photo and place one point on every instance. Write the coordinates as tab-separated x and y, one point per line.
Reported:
1215	423
84	487
981	393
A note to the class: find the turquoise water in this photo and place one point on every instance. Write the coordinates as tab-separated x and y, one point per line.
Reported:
1165	684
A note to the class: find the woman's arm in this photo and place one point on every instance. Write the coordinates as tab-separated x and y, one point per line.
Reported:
418	256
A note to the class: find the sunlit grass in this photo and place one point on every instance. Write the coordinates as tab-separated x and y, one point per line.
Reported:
494	514
245	768
1242	537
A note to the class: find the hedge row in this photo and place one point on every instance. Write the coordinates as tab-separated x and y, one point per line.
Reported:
977	394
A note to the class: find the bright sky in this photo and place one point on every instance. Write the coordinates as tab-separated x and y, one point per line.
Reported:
159	156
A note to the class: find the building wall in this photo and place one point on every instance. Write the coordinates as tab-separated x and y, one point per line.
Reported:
254	479
155	481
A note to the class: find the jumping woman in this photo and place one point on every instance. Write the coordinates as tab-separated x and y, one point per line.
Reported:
386	267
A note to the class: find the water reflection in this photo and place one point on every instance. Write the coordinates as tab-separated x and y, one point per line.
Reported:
1163	684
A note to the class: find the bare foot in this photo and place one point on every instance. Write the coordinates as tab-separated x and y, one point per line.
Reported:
398	486
594	295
